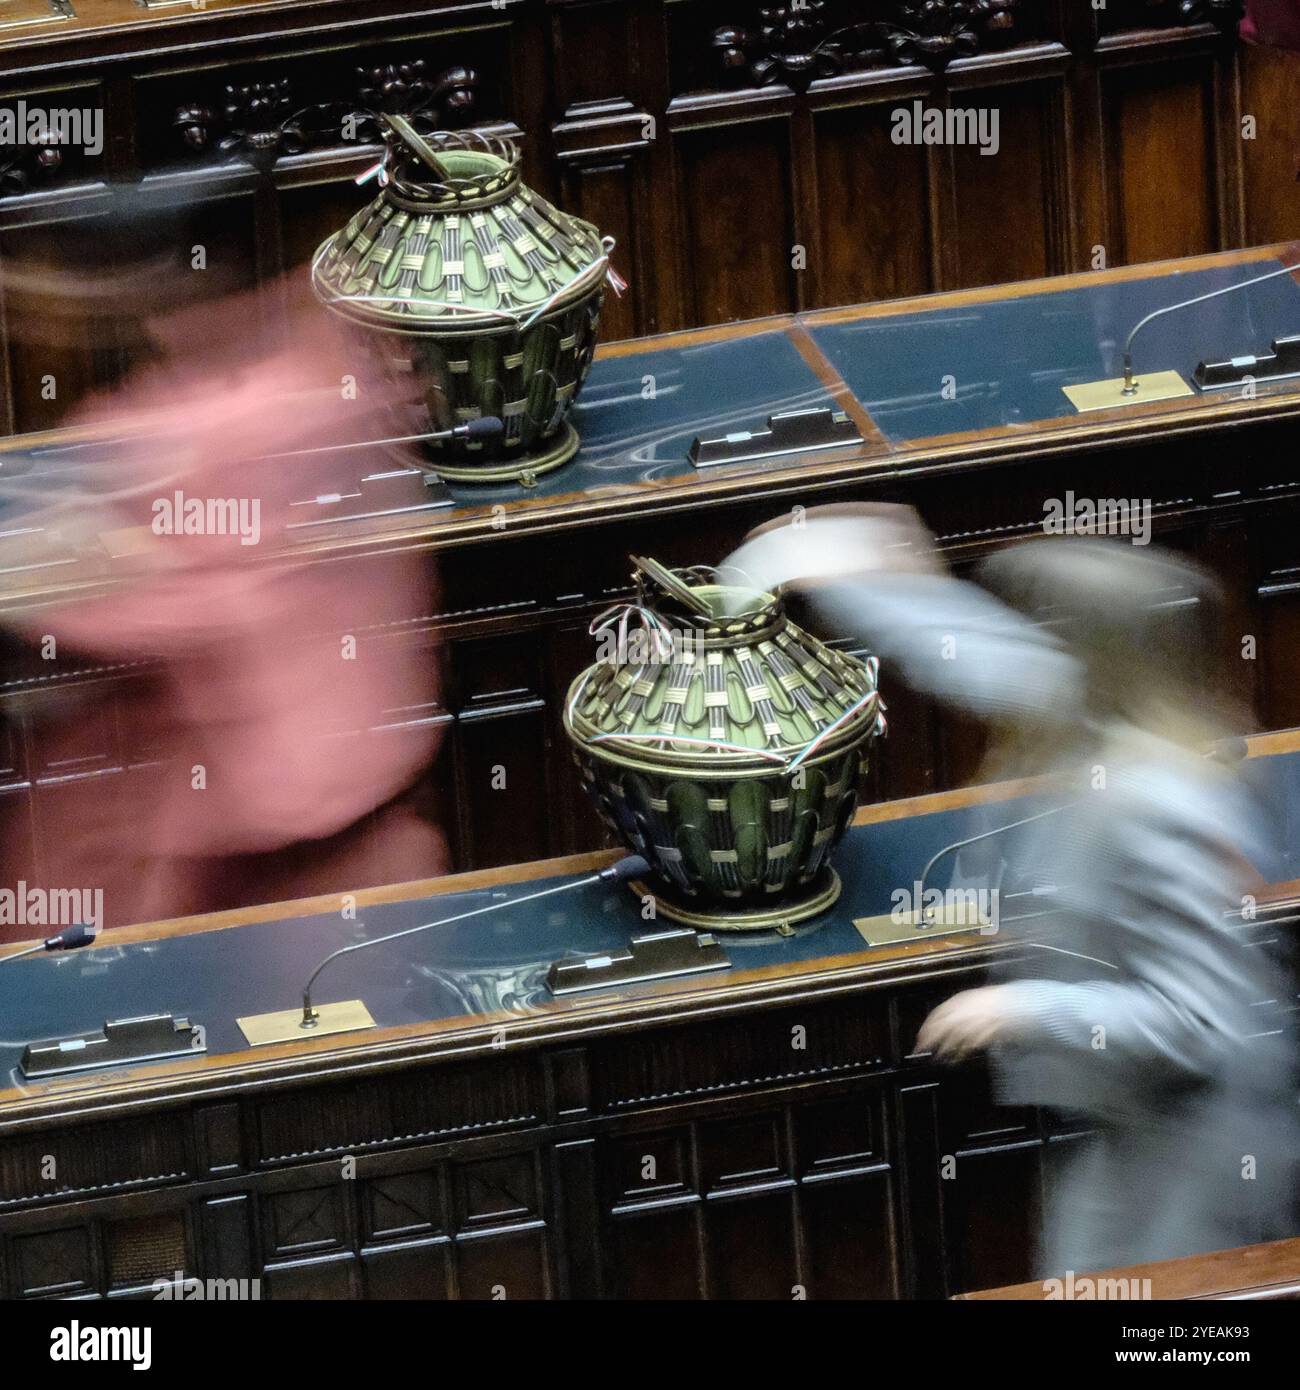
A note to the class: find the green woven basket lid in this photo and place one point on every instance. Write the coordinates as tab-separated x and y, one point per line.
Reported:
469	246
717	679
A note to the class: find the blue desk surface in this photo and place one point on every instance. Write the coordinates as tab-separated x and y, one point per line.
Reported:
1007	358
486	966
638	414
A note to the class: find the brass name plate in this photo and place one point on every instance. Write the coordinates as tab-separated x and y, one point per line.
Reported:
1105	395
348	1016
952	920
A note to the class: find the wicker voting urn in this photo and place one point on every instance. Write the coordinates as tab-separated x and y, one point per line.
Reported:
490	296
725	745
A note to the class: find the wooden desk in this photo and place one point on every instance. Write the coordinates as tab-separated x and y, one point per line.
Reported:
633	463
1257	1272
747	1134
521	574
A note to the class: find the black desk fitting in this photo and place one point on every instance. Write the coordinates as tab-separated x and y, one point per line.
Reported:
1282	363
654	956
118	1043
389	492
790	432
20	14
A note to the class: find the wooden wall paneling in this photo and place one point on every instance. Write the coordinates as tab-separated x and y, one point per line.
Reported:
598	87
847	1198
1159	135
1229	147
46	196
501	741
1024	186
527	96
313	204
289	151
1279	642
988	1163
807	239
290	96
574	822
993	1213
51	360
878	239
608	193
917	1118
572	1187
1270	163
601	142
734	193
1088	149
1226	550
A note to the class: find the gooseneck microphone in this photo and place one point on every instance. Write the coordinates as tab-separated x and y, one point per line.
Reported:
624	870
1228	752
1130	387
69	939
483	428
927	914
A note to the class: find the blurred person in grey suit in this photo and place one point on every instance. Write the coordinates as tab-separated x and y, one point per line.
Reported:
1155	1026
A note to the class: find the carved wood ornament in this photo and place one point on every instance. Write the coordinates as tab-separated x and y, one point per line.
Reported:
800	42
261	121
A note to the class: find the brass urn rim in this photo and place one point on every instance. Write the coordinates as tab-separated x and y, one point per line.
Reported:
479	171
796	906
555	453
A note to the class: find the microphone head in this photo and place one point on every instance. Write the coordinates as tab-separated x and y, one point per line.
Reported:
489	427
1230	751
79	934
633	866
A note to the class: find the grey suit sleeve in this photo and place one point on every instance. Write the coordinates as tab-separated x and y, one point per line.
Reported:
950	639
958	643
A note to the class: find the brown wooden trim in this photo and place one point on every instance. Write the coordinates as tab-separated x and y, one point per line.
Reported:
1251	1271
107	21
331	902
696	337
490	878
873	439
811	474
814	473
1051	284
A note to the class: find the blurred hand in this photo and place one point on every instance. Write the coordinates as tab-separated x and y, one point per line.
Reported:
826	544
968	1022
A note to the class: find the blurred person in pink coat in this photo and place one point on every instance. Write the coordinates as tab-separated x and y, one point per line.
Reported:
270	773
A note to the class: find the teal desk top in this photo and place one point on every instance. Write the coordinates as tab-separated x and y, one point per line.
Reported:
927	371
491	965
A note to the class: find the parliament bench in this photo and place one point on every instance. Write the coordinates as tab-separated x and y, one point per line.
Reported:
765	1130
